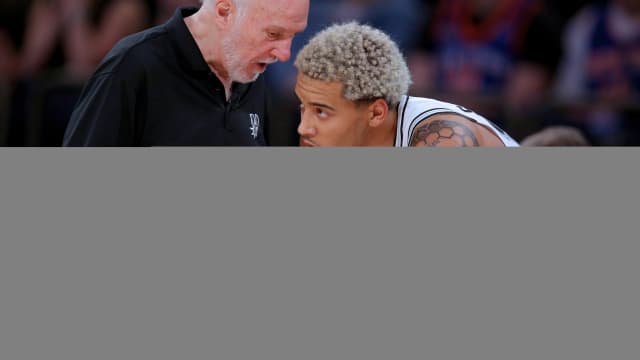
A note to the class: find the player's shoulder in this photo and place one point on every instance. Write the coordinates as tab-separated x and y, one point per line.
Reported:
431	122
416	108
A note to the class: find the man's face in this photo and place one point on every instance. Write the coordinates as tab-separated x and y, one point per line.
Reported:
262	36
326	117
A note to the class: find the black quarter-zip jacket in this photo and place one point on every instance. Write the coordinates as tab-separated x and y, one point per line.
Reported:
154	88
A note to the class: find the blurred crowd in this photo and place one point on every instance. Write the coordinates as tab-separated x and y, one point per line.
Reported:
48	48
525	64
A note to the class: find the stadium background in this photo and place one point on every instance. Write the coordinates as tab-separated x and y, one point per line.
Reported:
520	78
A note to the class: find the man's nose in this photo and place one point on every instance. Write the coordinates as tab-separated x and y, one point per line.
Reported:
282	51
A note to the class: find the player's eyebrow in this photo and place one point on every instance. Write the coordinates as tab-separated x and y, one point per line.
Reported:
317	104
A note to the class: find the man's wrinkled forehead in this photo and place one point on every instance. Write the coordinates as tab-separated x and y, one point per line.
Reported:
282	5
292	13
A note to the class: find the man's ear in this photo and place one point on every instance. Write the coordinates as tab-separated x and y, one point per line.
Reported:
377	111
224	10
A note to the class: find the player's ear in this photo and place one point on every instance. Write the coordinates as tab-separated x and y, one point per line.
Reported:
377	111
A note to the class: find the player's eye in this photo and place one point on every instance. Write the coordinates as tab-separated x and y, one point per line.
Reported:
321	113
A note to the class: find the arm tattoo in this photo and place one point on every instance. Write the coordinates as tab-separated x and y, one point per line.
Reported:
442	131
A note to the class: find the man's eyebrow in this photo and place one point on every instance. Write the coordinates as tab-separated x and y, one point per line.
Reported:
278	29
322	106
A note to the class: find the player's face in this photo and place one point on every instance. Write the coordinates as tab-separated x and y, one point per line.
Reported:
263	36
326	117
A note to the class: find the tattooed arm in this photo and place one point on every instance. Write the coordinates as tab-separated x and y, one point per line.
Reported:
450	130
445	131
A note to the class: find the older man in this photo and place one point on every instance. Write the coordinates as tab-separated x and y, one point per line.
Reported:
194	80
352	84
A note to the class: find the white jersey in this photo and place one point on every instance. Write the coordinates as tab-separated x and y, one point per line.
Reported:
412	110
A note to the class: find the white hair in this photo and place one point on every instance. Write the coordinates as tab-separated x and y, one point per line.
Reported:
364	59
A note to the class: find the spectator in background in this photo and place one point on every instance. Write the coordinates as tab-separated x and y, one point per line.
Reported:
13	15
495	56
10	11
87	29
556	136
600	72
58	44
399	19
75	34
566	8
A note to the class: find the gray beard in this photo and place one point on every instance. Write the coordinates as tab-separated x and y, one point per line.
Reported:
232	62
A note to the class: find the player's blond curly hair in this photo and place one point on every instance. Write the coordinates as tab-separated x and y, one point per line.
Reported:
364	59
